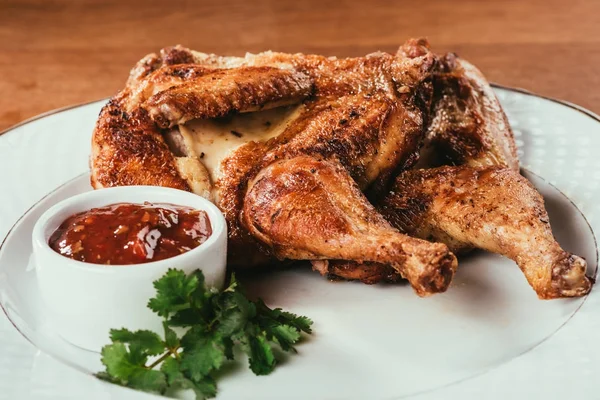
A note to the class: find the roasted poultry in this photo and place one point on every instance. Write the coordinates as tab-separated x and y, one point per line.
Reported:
299	152
468	125
293	191
483	204
490	208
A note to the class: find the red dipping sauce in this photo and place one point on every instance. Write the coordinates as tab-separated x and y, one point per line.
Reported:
126	233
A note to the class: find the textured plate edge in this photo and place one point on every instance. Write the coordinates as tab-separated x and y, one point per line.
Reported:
49	113
407	396
526	92
9	233
573	106
566	103
119	389
547	338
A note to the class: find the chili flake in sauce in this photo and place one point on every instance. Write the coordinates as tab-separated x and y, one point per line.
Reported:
126	233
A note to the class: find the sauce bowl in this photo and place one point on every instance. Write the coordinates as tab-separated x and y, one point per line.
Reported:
86	300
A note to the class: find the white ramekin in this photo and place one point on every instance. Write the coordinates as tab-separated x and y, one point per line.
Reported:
86	300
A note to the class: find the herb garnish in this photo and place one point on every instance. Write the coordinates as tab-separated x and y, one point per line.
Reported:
215	322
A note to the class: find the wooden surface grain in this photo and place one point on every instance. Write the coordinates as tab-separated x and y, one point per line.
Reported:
58	53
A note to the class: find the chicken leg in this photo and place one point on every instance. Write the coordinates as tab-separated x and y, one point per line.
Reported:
309	209
494	209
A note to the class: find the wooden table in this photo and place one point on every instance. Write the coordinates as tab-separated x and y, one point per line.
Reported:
58	53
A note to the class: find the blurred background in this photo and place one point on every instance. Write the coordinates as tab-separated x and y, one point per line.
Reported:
58	53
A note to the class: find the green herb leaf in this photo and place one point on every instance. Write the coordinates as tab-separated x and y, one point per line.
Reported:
173	292
105	376
299	322
141	343
234	311
117	360
171	339
148	380
198	309
286	336
260	353
206	388
172	370
215	323
203	353
228	348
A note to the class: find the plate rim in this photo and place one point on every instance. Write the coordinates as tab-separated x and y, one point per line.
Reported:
494	85
406	396
10	232
526	92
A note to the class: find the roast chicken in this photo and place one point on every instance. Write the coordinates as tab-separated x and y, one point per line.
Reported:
480	200
316	158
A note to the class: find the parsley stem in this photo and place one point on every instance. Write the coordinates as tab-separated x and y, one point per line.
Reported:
163	357
211	323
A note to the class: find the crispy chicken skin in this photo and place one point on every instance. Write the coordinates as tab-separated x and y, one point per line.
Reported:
320	189
484	204
221	92
344	225
468	125
368	135
129	149
491	208
365	272
364	120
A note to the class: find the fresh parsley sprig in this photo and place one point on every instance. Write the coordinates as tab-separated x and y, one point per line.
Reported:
215	322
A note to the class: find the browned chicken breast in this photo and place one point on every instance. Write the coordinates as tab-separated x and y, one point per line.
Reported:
290	177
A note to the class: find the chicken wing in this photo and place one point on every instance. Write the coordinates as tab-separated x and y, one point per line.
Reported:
119	140
221	92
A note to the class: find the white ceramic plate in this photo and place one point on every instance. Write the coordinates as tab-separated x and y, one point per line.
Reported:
488	336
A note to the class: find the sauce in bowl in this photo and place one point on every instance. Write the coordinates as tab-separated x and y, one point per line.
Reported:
125	233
